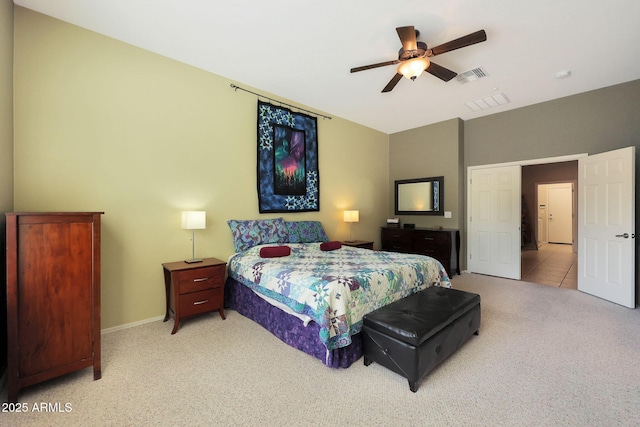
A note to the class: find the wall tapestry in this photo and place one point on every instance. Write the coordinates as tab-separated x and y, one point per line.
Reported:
288	178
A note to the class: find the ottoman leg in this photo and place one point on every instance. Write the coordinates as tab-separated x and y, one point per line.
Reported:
367	361
413	386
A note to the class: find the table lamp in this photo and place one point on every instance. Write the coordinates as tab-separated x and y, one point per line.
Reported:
351	217
193	220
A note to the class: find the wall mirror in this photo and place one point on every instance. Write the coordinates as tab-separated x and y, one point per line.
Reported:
420	196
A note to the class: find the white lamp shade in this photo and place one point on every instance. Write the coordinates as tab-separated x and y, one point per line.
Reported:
351	216
412	68
194	220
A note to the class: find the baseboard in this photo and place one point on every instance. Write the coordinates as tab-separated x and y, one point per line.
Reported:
131	325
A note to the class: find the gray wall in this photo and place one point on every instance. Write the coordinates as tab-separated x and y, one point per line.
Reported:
434	150
592	122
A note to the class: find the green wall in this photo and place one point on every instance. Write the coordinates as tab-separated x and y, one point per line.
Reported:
103	126
6	155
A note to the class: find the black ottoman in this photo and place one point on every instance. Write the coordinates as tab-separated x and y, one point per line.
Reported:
413	335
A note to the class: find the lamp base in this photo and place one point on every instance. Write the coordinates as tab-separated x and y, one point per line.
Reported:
193	261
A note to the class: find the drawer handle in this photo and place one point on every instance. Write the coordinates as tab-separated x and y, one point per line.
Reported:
397	235
428	238
204	279
201	302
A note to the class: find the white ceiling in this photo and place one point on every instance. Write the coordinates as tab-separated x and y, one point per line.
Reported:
303	49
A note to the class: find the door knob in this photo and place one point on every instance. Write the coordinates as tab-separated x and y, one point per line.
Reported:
625	235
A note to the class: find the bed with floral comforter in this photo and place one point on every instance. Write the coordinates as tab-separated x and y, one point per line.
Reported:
335	288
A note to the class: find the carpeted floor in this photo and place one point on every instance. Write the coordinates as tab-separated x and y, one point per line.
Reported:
544	357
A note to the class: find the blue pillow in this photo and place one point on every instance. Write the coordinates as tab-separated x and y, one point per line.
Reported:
249	233
306	232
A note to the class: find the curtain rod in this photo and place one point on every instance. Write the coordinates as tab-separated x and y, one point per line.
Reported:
234	87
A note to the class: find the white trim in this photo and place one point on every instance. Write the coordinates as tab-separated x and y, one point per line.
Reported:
558	159
131	325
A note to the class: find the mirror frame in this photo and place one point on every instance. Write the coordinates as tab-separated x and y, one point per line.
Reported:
439	199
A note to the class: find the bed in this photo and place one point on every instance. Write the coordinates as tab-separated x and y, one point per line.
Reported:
312	293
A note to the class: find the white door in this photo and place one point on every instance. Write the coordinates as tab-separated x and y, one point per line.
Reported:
606	229
560	213
494	223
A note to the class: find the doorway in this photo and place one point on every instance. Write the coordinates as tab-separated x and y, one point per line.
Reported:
524	218
606	233
550	191
555	213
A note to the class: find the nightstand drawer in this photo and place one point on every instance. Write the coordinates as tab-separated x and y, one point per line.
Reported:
200	302
200	279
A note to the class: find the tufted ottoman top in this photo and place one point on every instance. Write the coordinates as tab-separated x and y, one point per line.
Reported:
416	318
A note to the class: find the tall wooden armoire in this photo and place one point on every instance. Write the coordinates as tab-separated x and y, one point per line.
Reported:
53	296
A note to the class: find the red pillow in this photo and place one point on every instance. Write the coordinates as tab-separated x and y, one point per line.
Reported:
274	251
330	246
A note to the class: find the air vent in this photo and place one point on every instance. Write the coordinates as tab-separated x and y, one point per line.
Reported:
488	102
472	75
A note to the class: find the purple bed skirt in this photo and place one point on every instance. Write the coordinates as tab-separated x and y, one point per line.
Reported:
289	329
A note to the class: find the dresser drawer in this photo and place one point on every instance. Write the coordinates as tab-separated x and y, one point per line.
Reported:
432	237
395	246
200	279
200	302
398	235
437	241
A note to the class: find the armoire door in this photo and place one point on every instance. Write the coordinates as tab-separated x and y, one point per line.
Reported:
55	293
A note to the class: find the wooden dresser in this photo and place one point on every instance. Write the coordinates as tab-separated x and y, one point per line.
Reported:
53	296
443	245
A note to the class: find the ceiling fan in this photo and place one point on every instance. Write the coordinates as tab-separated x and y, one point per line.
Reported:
413	56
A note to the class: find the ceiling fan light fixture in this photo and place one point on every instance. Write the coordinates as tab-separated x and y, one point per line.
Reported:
412	68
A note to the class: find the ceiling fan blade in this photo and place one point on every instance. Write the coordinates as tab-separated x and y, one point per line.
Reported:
380	64
394	81
441	72
468	40
407	37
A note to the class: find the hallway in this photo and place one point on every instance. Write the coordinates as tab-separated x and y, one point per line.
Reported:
552	265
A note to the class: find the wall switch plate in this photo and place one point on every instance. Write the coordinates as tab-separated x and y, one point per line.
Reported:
447	214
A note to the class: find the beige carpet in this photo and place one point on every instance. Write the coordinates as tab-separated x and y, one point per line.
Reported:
544	357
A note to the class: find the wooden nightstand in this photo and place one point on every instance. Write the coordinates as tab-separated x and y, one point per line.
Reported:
358	244
193	288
